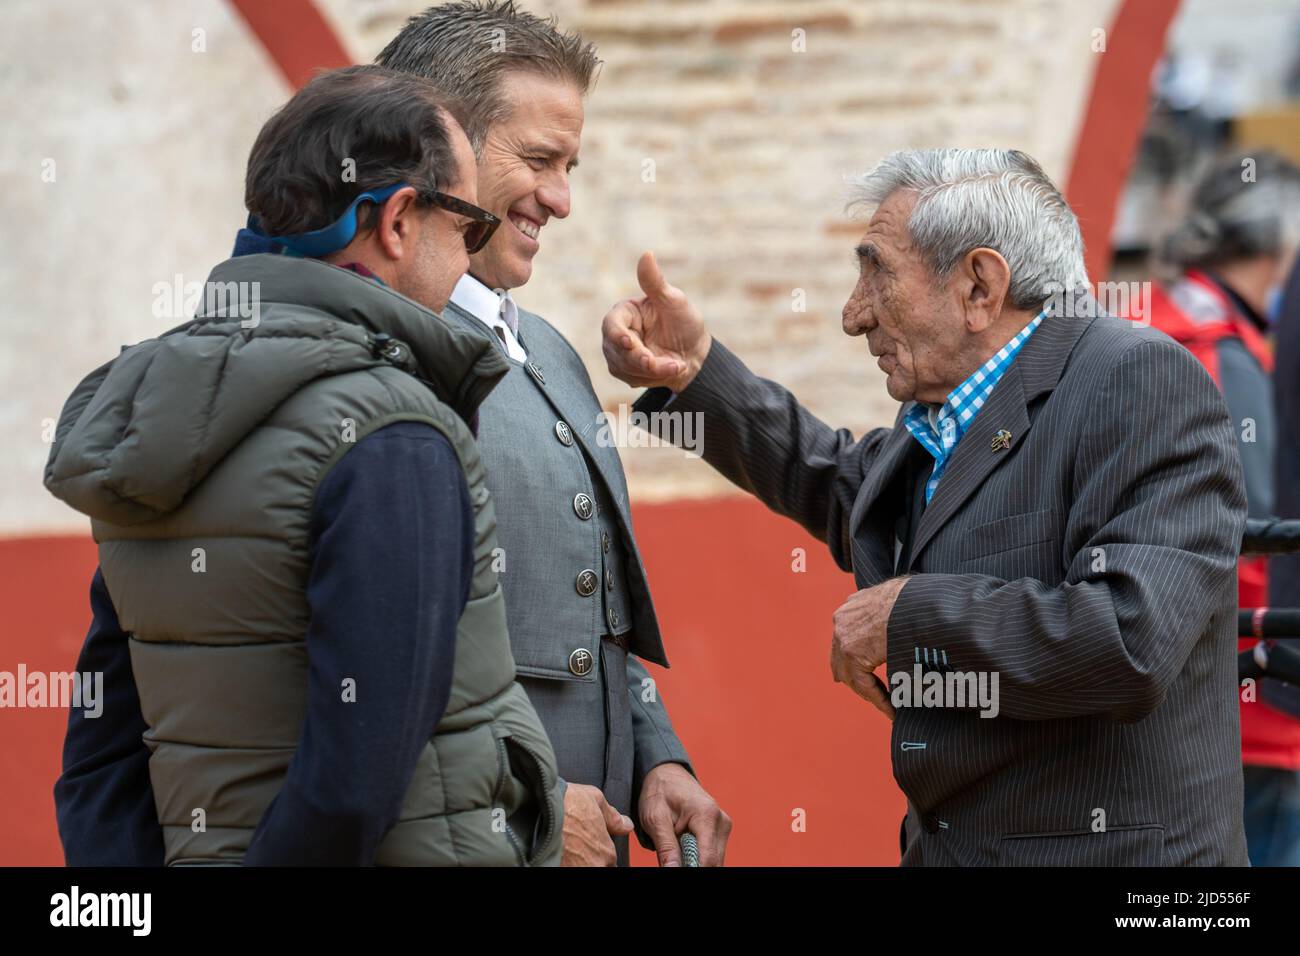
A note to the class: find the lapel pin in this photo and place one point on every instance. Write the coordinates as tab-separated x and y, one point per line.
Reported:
1001	441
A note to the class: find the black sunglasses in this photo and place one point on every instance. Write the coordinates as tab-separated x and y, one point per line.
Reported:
478	234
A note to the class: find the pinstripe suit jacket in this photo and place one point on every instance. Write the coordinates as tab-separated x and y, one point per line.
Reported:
1091	565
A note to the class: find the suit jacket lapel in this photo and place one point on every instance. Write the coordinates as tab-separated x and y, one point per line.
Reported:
567	399
976	455
1036	369
871	528
455	314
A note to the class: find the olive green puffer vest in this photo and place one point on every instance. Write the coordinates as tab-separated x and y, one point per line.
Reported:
197	455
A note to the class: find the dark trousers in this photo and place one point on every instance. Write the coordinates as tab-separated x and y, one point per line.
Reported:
1272	816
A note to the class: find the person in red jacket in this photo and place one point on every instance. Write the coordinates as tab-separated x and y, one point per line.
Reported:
1230	256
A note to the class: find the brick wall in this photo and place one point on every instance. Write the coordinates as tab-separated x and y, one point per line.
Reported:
751	128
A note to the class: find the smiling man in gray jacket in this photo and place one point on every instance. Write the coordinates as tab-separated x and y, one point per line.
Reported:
576	593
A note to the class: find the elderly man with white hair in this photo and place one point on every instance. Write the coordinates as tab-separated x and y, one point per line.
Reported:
1044	543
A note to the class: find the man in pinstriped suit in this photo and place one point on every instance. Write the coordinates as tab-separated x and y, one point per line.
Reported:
1055	516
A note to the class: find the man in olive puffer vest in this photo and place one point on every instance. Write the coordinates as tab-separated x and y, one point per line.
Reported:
311	697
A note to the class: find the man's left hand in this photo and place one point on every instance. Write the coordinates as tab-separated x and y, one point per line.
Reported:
672	802
860	642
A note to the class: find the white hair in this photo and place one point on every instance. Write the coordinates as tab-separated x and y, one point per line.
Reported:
995	198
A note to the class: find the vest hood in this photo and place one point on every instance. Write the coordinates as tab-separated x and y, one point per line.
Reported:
139	433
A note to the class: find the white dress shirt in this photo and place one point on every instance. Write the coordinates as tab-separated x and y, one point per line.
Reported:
494	309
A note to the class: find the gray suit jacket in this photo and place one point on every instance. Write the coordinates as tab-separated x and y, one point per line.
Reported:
606	736
1090	565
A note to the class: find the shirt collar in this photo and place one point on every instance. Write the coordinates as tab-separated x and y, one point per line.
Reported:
361	270
939	427
485	304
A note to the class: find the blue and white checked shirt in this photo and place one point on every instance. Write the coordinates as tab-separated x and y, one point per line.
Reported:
939	430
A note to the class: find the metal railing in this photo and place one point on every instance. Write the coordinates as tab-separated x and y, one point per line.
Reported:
1277	655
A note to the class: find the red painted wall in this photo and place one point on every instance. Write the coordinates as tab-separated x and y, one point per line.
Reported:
44	587
750	687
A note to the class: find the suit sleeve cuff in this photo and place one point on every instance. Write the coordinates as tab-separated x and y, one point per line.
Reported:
719	365
904	632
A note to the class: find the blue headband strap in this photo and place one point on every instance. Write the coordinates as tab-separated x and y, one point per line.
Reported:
331	238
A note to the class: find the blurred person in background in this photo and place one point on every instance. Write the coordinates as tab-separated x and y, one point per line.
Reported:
1229	256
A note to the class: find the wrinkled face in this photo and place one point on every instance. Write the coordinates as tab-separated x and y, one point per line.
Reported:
440	258
908	315
523	173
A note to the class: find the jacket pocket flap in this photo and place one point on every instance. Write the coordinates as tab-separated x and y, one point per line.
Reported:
1013	531
1141	845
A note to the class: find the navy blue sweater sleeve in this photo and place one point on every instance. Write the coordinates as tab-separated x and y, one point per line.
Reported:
103	801
392	559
